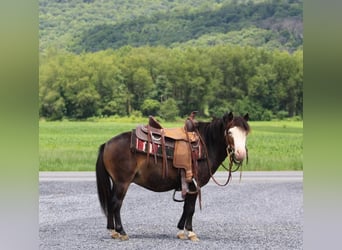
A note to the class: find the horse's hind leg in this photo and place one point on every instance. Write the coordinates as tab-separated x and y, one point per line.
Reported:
110	216
119	194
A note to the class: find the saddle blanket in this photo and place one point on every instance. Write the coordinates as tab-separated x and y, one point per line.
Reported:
157	149
153	148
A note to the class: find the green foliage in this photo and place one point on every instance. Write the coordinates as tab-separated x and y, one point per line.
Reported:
136	115
211	80
86	103
282	114
52	106
150	107
79	26
194	60
169	110
249	36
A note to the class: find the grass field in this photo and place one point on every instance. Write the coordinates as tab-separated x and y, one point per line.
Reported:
73	146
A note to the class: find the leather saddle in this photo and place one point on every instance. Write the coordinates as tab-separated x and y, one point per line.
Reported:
168	143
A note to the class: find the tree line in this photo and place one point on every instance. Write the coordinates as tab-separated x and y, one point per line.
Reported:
170	82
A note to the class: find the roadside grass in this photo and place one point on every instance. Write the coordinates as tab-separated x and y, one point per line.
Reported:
73	145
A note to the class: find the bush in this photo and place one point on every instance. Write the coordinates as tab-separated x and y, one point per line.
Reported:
135	114
281	115
267	115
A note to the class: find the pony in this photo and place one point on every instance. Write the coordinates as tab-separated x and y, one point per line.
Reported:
117	166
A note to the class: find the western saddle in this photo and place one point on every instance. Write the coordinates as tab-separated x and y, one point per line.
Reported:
176	144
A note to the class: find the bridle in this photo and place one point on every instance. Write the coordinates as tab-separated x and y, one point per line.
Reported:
230	147
232	160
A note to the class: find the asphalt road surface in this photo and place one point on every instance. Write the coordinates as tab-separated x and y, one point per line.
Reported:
263	211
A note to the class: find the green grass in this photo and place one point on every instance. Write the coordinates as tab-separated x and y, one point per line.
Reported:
275	146
73	146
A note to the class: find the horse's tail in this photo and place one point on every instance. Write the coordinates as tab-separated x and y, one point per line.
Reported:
103	182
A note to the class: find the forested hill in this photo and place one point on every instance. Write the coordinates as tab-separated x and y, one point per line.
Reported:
93	25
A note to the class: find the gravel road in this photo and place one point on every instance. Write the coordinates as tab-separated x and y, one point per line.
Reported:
263	211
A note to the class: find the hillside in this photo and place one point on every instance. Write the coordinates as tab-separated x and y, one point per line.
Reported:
90	25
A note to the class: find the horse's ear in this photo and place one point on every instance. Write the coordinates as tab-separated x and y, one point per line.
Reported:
246	117
228	117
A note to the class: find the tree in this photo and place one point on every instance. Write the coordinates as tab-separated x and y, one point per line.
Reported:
52	106
169	110
261	87
86	103
143	86
150	107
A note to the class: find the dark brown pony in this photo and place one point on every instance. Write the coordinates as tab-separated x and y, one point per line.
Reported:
117	166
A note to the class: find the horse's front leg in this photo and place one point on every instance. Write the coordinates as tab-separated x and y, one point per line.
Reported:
185	222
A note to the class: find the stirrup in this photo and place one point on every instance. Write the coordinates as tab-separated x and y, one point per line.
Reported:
174	196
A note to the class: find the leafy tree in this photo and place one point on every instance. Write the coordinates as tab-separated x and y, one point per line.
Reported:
86	103
53	106
143	85
210	79
118	104
255	110
287	86
169	110
261	87
150	107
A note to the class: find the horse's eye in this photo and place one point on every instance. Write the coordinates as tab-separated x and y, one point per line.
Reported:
230	133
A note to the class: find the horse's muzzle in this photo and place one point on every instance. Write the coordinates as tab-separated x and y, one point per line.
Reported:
240	154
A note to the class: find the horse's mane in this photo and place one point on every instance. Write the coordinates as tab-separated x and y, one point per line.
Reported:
211	130
239	121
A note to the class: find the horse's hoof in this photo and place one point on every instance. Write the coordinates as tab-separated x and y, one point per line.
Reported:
115	235
123	237
193	237
181	235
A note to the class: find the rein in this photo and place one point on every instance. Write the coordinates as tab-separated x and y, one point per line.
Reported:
232	160
230	170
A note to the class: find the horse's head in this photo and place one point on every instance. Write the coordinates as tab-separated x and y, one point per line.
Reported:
236	131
